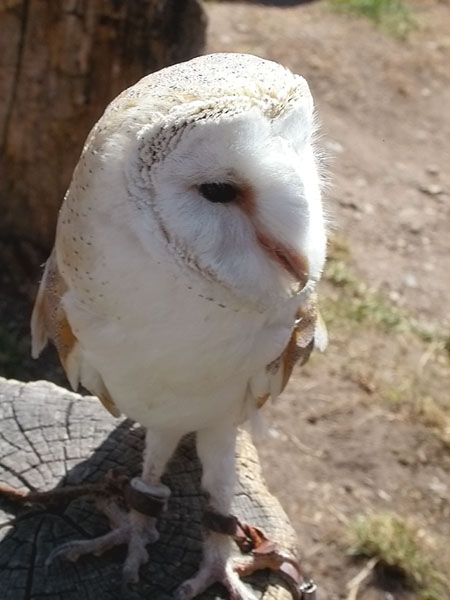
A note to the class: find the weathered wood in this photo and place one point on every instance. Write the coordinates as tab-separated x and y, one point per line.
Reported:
62	62
51	437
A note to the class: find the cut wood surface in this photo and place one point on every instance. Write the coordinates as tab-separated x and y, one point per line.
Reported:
50	437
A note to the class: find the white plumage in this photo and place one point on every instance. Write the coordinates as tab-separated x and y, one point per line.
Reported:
189	242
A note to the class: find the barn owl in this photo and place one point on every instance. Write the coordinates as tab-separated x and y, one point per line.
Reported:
181	287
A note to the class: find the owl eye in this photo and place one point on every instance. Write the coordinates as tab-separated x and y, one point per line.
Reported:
218	192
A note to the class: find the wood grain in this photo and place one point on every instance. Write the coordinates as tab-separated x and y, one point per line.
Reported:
51	437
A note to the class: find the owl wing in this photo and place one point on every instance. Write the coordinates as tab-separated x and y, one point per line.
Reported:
309	332
49	322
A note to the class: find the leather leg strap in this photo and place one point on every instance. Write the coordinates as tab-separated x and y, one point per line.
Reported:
147	499
219	523
266	553
142	502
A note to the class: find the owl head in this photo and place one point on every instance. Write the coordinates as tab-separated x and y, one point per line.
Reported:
217	156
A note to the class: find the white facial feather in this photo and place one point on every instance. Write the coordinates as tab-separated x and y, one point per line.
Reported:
255	137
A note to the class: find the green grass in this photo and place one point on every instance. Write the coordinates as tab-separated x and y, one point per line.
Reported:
393	16
351	308
399	544
410	400
355	304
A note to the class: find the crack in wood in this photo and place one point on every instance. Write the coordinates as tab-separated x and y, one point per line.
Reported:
25	434
19	476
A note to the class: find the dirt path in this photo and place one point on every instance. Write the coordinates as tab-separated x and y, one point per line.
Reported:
363	427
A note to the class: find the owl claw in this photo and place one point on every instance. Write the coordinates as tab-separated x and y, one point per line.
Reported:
258	553
216	566
135	528
136	537
193	587
184	592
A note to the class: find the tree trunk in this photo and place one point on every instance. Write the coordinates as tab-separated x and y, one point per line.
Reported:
51	437
62	62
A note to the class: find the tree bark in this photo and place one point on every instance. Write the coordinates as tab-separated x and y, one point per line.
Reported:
62	62
51	437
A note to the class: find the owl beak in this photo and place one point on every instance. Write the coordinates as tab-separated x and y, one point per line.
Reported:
292	262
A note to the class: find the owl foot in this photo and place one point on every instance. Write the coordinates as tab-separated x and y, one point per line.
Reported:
216	566
135	528
258	553
136	537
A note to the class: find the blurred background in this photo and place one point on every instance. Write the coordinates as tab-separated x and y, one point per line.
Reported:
357	446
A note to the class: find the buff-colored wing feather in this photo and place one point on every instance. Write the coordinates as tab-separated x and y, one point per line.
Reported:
309	332
49	322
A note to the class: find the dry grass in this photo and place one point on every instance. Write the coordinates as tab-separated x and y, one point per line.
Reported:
355	303
393	16
401	545
415	404
416	355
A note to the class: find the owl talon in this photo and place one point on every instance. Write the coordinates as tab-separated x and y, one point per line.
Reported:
136	536
135	528
259	553
97	546
216	566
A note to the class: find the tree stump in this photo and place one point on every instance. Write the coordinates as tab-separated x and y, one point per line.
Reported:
50	437
62	62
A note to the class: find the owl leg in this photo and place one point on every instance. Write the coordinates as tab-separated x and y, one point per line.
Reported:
216	451
146	496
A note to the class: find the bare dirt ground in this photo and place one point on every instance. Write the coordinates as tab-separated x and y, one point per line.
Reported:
362	428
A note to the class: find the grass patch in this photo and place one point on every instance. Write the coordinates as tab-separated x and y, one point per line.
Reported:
351	308
408	399
393	16
399	544
354	303
368	307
